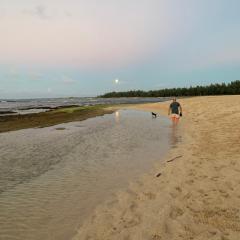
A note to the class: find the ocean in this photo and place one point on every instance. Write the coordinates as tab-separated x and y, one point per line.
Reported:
25	106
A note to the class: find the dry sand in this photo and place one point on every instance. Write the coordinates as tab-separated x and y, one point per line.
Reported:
197	196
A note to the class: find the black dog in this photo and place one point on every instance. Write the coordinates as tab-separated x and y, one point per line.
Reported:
154	115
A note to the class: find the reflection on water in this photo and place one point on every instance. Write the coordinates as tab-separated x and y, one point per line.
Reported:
175	136
51	180
117	116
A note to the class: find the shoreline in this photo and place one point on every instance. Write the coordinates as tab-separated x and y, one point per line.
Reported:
57	116
196	194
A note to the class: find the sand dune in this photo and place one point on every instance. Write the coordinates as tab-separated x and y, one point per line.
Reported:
196	196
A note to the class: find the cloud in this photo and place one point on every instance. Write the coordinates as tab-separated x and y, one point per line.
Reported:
112	35
85	35
68	80
45	12
15	74
39	11
68	14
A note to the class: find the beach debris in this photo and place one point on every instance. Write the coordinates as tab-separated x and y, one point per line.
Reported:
159	174
60	128
171	160
7	112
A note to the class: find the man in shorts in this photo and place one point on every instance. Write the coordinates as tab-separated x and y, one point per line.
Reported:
175	110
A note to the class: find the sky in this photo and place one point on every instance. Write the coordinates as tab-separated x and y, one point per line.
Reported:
65	48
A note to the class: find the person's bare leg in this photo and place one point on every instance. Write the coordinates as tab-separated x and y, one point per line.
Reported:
176	120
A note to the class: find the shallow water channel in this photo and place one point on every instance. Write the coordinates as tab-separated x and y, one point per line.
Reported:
52	178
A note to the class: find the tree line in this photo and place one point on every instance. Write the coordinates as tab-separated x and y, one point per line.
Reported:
232	88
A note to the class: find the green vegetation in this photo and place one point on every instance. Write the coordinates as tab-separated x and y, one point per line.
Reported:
232	88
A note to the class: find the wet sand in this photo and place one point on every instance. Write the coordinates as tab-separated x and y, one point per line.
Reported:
197	192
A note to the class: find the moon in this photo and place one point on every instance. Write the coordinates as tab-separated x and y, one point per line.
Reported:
116	81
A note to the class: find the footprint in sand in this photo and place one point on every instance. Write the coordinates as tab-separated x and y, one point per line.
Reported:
192	173
201	191
187	196
229	185
150	195
190	182
233	162
176	212
156	237
215	178
224	193
132	222
178	189
203	177
133	207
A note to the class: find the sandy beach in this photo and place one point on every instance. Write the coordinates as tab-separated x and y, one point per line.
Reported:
197	193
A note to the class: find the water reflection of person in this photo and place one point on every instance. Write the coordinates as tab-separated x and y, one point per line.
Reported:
117	116
174	137
175	109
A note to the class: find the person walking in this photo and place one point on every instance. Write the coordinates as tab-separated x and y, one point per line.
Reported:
175	109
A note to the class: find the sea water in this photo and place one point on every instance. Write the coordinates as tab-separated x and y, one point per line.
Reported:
25	106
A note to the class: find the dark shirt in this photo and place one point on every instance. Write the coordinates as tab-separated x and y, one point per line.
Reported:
174	107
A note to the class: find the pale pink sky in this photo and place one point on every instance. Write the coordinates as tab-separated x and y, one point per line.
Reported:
83	33
79	47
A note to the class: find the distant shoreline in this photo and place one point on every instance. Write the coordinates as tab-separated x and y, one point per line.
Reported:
28	106
232	88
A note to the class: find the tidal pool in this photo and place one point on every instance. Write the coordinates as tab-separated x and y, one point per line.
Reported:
52	178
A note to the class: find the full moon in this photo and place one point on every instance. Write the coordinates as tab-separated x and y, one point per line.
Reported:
116	81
